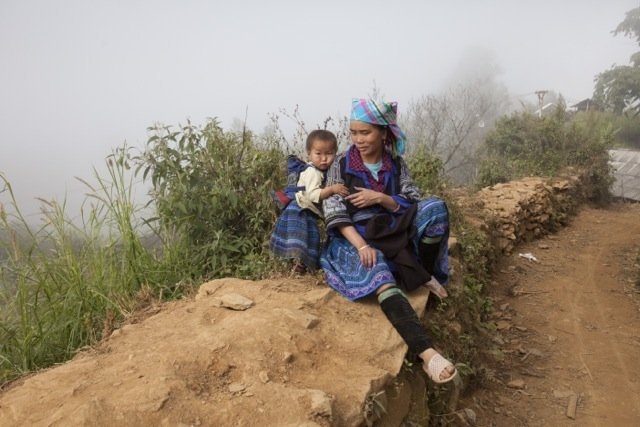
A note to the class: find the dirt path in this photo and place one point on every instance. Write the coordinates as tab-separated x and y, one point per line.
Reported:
567	325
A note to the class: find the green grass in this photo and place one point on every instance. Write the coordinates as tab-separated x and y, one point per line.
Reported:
61	279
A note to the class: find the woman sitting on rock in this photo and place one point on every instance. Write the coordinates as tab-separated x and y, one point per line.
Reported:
382	234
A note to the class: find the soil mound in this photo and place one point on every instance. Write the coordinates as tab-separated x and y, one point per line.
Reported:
277	352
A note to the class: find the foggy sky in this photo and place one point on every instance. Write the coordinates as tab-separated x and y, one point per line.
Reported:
80	77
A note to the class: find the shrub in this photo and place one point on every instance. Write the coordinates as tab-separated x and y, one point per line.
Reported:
64	281
525	145
427	170
210	189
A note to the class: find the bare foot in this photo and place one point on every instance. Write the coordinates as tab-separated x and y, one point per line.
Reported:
436	288
299	268
439	369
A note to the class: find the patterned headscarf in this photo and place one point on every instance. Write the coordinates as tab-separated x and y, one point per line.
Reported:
380	113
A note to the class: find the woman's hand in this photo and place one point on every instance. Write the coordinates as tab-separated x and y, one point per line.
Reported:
368	256
364	197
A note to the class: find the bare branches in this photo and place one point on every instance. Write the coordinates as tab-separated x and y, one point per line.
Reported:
452	125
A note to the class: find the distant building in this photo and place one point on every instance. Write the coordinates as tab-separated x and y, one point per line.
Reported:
626	164
586	105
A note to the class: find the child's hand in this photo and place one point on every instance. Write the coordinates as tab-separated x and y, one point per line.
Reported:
340	189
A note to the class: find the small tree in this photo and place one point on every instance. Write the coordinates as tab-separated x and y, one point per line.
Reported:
618	89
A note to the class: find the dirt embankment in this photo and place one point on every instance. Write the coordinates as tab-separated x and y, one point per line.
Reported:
242	353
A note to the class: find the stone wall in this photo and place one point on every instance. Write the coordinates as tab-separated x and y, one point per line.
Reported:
523	210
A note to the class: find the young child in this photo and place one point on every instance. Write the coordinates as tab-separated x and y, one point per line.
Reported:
296	235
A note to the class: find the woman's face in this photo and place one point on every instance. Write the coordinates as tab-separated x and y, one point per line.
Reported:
368	138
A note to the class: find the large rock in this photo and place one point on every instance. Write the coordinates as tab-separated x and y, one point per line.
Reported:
299	354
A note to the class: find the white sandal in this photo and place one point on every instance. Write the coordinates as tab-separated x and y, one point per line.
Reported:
436	366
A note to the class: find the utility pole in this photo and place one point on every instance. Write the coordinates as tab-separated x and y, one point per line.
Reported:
541	94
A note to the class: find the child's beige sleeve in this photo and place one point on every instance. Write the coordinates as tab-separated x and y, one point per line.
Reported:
311	179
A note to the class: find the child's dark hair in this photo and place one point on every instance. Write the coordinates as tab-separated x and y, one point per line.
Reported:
322	135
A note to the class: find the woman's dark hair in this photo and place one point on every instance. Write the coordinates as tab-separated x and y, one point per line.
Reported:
387	132
322	135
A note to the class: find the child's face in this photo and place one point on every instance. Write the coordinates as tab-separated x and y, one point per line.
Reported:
322	154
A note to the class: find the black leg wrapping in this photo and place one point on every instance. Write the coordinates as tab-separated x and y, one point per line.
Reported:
405	320
429	255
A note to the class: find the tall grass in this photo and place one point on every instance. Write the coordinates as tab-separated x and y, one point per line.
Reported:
61	279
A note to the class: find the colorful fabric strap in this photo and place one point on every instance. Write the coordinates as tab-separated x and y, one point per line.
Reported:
393	290
383	114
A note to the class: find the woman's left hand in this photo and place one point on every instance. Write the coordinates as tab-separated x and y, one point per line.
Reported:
368	256
364	197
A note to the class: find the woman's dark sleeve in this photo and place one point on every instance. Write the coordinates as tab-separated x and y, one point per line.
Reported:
409	191
334	208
